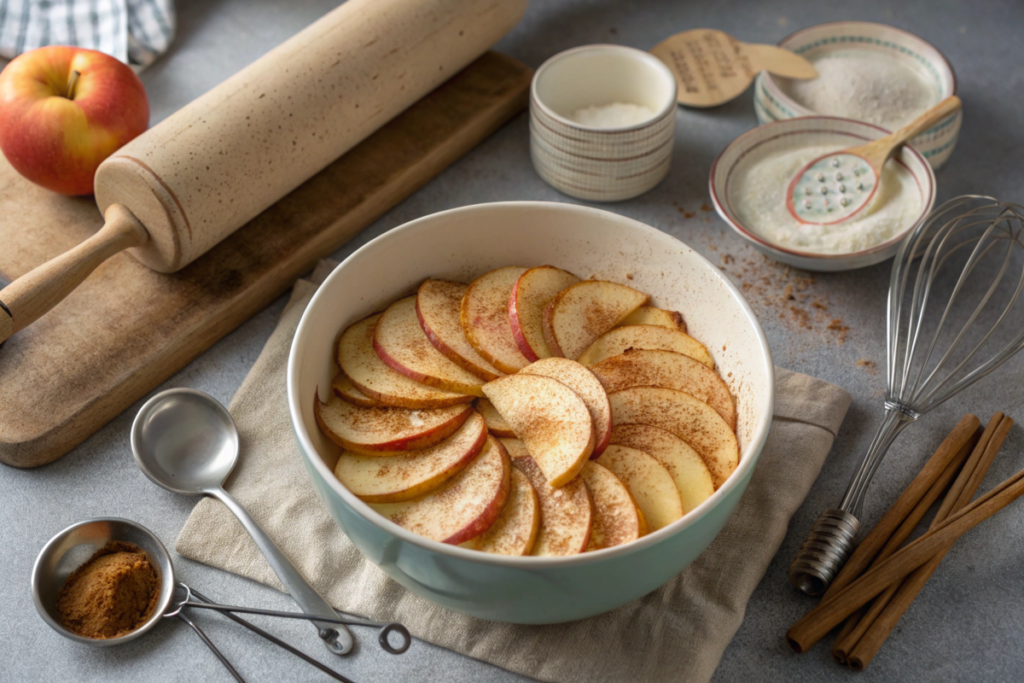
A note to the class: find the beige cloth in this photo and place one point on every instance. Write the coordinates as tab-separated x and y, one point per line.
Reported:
677	633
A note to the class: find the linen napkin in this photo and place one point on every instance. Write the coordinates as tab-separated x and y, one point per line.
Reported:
678	632
134	31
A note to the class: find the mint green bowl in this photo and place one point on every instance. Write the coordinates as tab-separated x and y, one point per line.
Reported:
459	245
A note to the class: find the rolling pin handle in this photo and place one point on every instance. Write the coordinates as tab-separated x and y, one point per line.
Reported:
30	296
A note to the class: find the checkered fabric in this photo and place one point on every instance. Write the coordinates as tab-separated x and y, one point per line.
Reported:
134	31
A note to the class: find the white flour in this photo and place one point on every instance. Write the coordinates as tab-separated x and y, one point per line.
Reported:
612	115
864	85
757	193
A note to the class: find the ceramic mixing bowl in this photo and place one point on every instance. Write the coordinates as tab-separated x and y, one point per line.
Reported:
825	130
462	244
772	103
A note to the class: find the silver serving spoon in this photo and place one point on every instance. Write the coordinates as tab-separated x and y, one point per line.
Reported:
185	441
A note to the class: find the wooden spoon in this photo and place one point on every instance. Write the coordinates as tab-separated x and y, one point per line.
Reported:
835	186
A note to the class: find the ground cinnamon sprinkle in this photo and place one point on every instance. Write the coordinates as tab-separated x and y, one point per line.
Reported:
113	593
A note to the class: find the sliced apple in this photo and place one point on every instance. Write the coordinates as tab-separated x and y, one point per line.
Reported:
566	513
579	314
550	418
496	424
370	375
531	293
649	315
616	518
400	342
439	309
515	530
414	473
693	421
463	507
653	368
650	484
382	431
645	337
485	321
687	469
515	447
345	390
587	387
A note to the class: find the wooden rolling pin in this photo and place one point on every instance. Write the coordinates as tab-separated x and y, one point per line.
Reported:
187	183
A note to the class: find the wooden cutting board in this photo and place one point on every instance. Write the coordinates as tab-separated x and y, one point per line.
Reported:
128	328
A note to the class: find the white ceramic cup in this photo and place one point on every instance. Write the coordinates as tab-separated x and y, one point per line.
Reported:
602	164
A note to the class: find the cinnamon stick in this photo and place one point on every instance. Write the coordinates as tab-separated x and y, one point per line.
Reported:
872	544
866	649
858	623
860	620
829	614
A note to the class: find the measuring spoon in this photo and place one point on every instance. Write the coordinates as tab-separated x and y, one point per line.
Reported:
186	442
835	186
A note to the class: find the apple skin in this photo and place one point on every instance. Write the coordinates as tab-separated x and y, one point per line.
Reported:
58	142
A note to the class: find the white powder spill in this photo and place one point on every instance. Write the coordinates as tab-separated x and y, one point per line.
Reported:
415	419
757	193
864	85
613	115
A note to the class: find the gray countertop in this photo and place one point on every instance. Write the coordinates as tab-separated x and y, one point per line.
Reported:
969	621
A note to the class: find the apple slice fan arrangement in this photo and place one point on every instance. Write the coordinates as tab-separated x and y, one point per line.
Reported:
529	413
523	412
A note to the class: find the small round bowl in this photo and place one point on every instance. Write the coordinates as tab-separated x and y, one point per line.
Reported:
601	164
771	103
71	548
845	133
461	245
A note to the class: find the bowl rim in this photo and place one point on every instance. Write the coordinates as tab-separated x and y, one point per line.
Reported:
750	235
160	609
306	448
778	92
632	53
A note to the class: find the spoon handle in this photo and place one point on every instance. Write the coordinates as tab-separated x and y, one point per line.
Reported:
338	638
879	151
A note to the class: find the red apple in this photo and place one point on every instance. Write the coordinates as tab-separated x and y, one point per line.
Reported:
56	127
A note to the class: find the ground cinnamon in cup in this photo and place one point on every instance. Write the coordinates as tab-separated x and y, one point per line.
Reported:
111	594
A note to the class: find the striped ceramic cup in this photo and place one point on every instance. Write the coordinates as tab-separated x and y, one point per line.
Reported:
595	162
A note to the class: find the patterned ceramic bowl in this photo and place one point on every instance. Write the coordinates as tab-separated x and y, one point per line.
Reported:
602	164
936	144
462	244
825	130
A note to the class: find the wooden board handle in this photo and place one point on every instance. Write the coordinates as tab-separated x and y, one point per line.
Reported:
30	296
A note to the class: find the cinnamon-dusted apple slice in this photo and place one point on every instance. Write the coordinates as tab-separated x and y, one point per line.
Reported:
566	513
400	342
649	315
382	431
550	418
496	424
485	318
346	391
686	468
531	293
616	517
654	368
515	530
413	473
645	337
439	309
463	507
693	421
586	385
369	374
648	482
580	314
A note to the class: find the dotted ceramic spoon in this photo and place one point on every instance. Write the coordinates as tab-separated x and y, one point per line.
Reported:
834	187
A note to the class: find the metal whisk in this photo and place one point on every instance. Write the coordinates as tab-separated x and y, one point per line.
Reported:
968	246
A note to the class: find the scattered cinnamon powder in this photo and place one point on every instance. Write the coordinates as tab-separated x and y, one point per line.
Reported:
110	595
705	207
868	365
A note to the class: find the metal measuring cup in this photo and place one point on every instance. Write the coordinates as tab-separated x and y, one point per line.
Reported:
73	546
